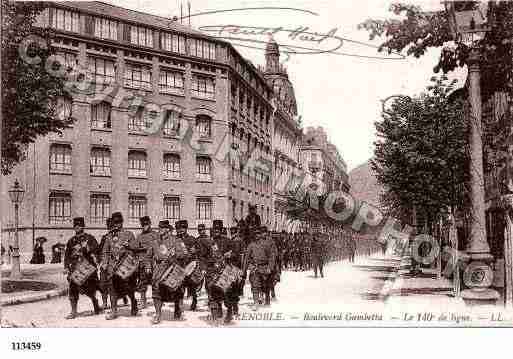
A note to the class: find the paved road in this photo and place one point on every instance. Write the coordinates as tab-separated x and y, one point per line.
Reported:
345	288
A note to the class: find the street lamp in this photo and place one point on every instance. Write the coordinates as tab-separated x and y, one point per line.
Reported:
16	195
468	22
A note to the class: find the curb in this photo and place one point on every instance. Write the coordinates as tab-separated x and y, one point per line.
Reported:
34	297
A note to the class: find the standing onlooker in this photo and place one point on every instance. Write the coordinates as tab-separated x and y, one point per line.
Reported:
38	255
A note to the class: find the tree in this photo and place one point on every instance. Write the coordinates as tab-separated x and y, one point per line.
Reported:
421	155
416	31
30	94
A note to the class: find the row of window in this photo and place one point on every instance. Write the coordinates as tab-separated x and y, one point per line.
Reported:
261	182
102	72
100	163
249	106
100	208
138	35
101	119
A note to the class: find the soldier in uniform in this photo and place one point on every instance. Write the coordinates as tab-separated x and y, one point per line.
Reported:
317	250
118	244
103	275
260	259
167	250
277	241
219	255
352	248
233	256
143	242
81	247
193	248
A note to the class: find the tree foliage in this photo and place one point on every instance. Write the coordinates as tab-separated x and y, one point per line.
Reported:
421	155
29	92
414	31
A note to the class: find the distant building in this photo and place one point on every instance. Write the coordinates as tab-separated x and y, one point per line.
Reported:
323	162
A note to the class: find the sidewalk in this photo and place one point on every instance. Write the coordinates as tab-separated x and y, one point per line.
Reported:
39	282
403	290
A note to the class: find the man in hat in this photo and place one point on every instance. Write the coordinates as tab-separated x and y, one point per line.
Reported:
317	250
163	253
104	285
235	258
81	247
193	248
221	253
259	260
119	244
253	220
144	241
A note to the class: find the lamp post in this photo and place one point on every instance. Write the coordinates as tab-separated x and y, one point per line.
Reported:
468	23
16	195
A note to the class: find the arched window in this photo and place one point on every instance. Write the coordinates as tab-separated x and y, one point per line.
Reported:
171	124
60	158
64	109
100	115
204	168
204	126
171	168
100	161
137	164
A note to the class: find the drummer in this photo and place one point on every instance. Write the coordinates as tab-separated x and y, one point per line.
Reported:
81	247
221	254
144	241
232	297
163	253
117	245
193	248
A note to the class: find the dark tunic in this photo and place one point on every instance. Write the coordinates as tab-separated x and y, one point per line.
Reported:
164	252
260	259
317	250
144	242
81	247
117	245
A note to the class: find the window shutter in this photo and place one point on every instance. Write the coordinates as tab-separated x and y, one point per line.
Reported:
126	32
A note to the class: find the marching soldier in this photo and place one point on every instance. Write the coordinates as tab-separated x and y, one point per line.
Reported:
233	256
103	280
82	247
317	251
143	242
277	242
164	252
259	260
119	244
220	254
193	248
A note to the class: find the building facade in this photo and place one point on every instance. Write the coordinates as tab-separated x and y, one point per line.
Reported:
327	170
166	121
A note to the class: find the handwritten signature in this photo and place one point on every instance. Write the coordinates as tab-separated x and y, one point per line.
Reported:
299	40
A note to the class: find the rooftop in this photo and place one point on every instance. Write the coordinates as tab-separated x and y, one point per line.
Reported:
101	8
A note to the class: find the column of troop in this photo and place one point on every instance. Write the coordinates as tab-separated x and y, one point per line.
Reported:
177	264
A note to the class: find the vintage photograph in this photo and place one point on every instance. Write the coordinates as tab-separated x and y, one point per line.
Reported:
233	163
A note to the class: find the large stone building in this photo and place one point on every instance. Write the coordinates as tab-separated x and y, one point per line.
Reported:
166	121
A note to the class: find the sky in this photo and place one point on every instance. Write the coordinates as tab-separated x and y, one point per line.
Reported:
339	92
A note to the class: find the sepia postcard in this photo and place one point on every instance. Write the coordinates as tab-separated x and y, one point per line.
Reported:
256	164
